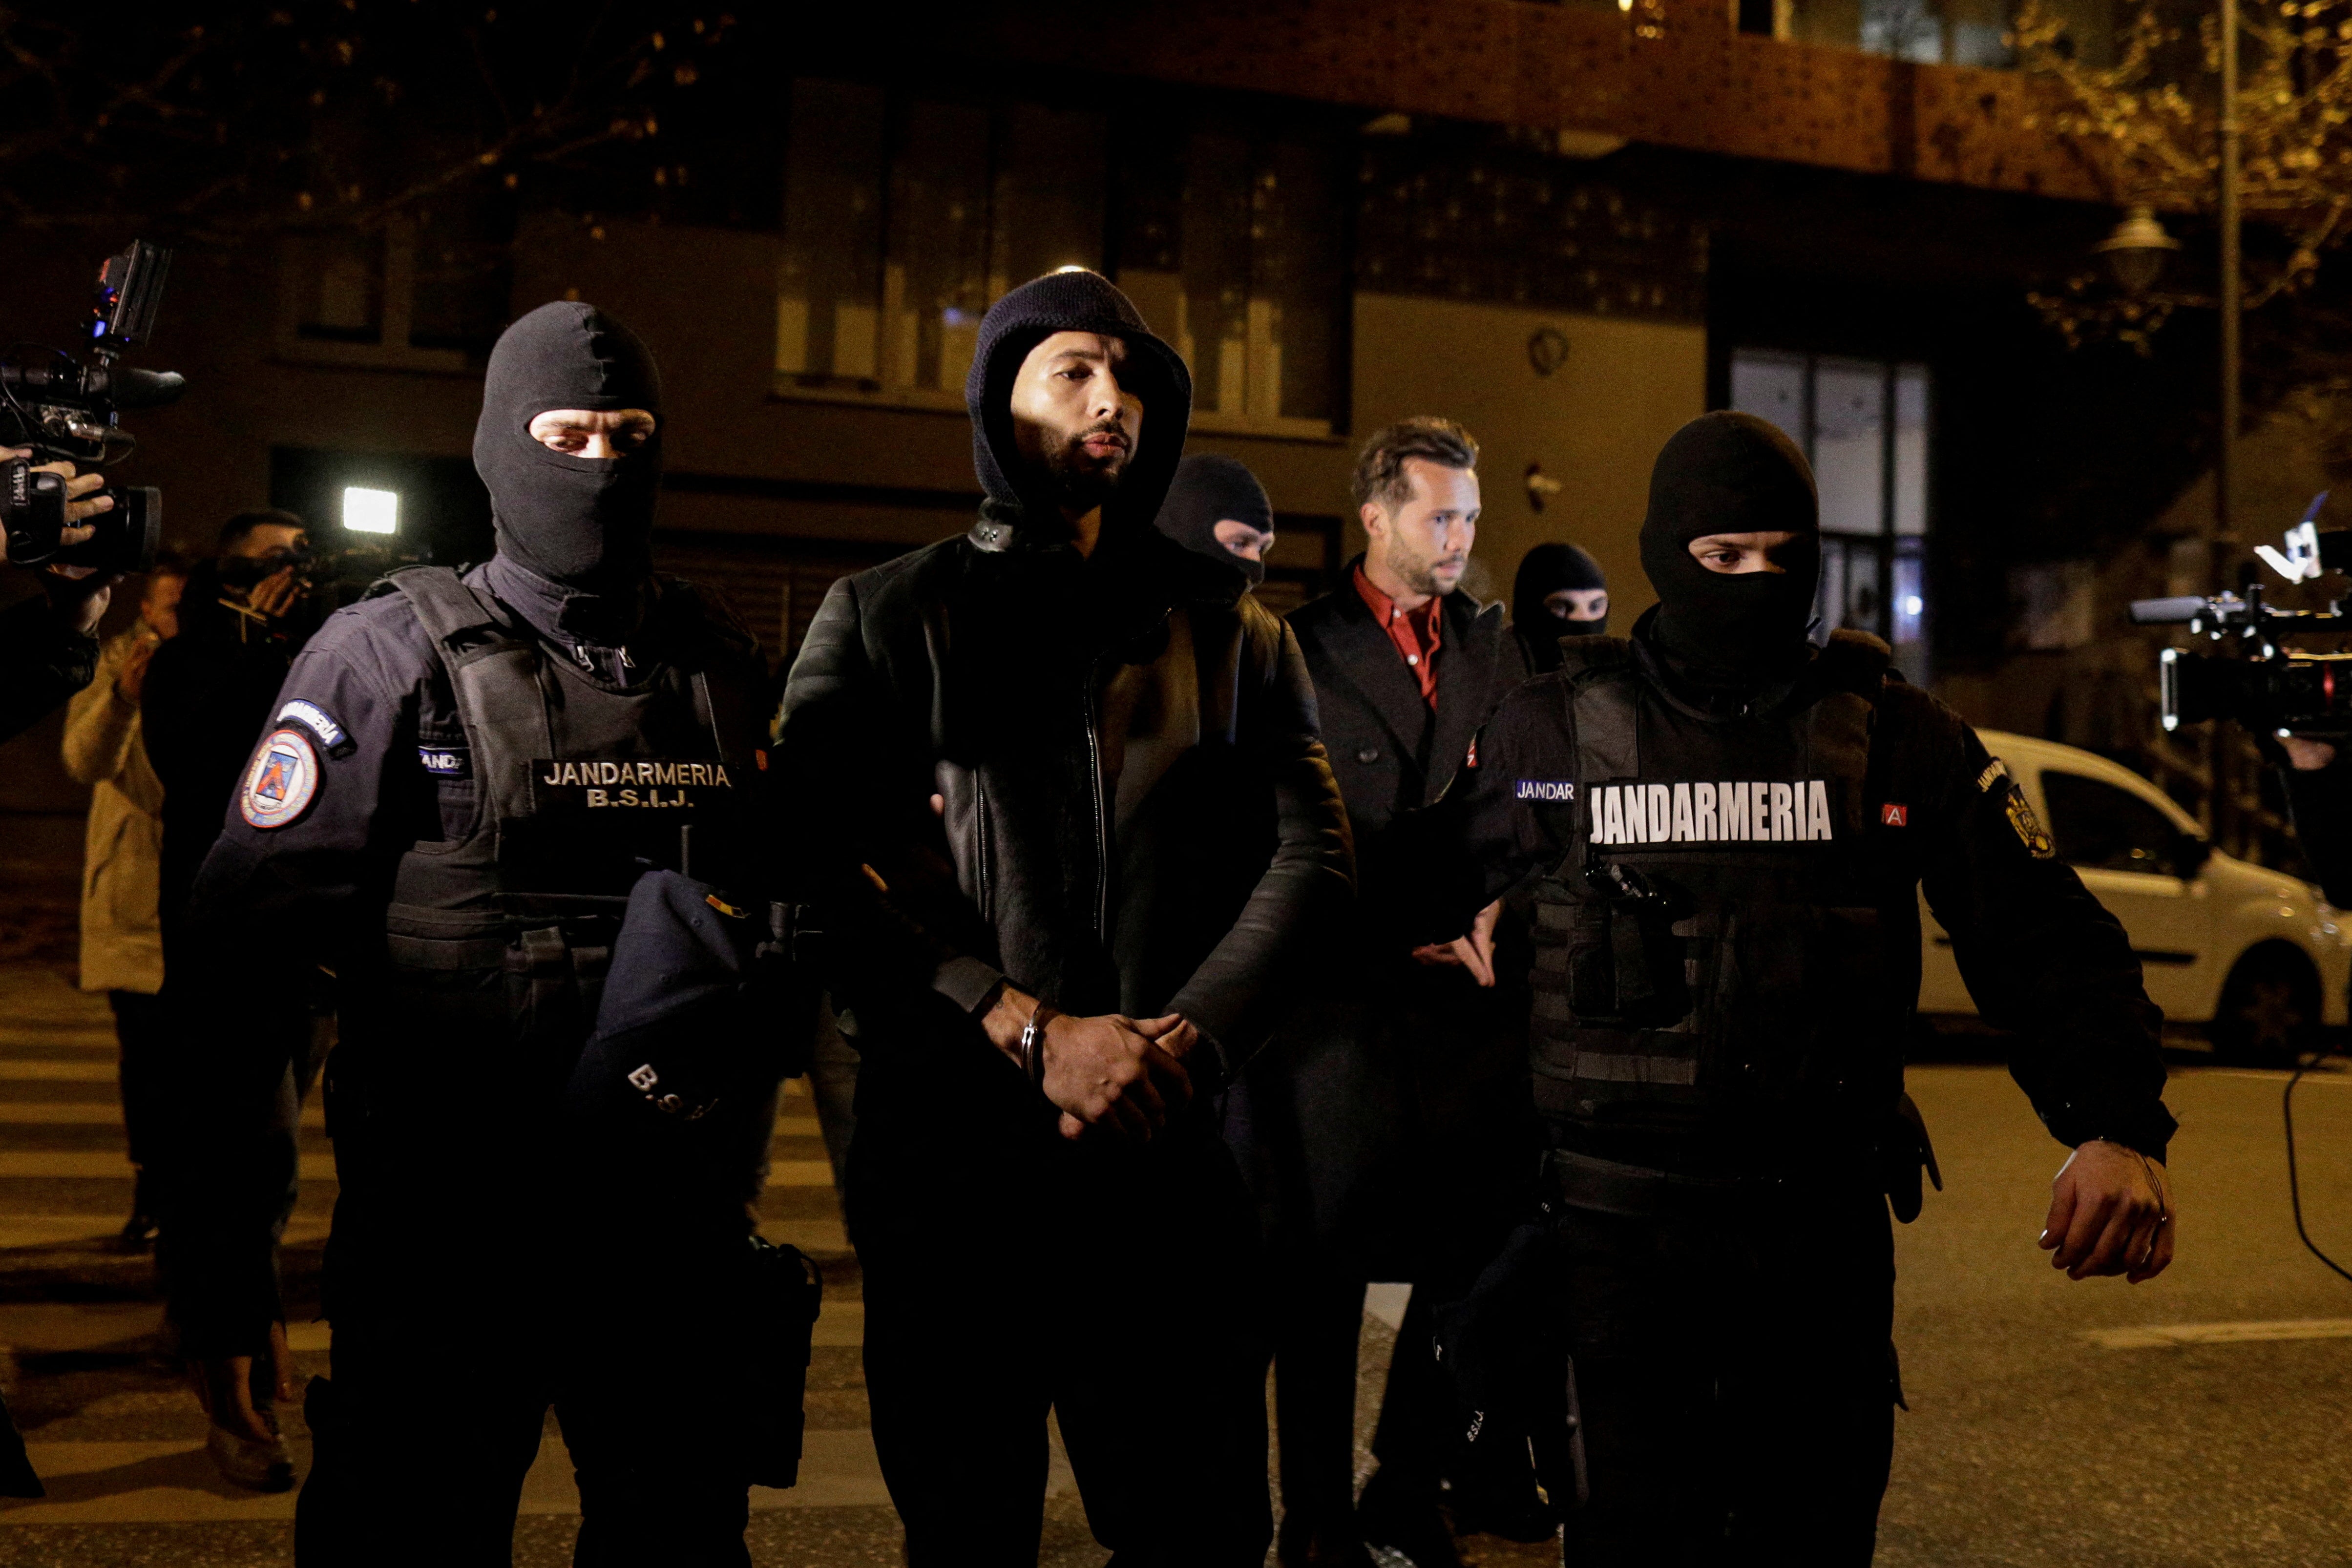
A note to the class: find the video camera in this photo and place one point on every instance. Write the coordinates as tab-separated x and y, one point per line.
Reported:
65	411
2262	685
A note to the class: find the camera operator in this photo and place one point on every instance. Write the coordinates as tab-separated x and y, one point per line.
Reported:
48	643
209	694
208	690
2318	779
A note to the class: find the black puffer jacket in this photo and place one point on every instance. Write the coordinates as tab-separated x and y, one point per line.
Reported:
1136	814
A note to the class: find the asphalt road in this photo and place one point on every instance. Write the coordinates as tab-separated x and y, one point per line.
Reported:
2032	1440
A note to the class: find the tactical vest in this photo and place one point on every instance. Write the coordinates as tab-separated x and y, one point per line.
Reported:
558	792
1716	983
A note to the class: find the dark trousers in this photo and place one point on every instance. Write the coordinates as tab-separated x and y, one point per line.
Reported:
147	1048
422	1439
1390	1133
1319	1317
469	1293
1115	1286
1738	1385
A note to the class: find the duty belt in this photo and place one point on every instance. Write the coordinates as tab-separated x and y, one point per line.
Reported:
1638	1192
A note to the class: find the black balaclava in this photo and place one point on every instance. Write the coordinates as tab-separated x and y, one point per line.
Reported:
1207	490
1026	501
584	523
1543	572
1731	474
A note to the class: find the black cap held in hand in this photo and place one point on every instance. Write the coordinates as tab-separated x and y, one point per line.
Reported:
1732	474
1544	572
1209	490
584	522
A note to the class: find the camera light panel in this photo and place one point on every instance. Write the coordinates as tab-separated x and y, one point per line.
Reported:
367	511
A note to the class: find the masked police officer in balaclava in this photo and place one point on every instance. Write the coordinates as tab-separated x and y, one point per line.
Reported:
1216	505
1728	828
1559	593
461	780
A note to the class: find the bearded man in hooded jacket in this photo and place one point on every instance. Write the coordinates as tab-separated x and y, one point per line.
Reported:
1075	823
1726	830
461	780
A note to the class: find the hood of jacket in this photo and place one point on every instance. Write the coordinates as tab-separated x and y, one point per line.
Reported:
1025	511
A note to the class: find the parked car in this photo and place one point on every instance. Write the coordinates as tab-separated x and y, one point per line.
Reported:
2256	958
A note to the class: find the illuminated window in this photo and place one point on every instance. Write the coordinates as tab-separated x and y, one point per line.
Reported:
904	219
1863	424
1245	273
1933	32
427	291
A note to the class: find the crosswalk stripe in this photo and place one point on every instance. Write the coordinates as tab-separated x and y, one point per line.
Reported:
800	1173
95	1114
45	1071
75	1165
69	1165
2158	1335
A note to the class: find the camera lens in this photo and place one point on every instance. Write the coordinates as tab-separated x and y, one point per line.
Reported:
127	537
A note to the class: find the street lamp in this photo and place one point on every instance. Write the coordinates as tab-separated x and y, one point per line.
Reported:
2137	250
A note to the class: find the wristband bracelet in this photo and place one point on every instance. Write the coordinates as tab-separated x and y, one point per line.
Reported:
1033	1042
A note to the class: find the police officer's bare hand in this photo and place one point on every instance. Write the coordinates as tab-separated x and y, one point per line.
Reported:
235	1390
2110	1213
1474	951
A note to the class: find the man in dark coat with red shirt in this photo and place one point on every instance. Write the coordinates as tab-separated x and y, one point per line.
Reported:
1383	1130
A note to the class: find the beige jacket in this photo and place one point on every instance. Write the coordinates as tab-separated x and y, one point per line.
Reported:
121	946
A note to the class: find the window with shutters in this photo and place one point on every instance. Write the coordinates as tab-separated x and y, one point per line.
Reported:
906	217
1863	425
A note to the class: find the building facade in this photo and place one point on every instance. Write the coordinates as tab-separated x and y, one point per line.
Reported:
1572	226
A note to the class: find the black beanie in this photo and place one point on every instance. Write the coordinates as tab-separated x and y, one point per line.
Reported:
584	522
1207	490
1076	301
1544	572
1731	474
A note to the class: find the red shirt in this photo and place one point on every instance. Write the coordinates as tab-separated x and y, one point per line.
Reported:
1415	633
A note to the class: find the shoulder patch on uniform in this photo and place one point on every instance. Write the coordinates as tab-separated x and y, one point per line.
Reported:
320	723
2029	827
1995	771
281	781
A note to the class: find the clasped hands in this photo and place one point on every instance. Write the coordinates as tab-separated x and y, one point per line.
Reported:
1125	1075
